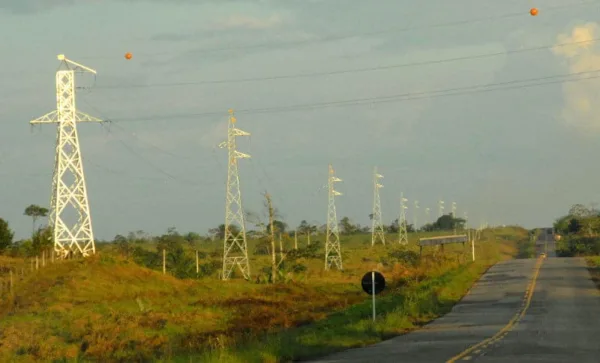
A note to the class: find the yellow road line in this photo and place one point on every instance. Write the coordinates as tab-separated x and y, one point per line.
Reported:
511	324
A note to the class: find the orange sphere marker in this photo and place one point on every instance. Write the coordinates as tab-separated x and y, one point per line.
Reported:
533	11
128	56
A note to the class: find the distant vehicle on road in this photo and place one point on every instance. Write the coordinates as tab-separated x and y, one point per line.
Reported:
543	255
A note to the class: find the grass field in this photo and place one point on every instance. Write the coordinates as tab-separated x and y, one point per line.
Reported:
107	308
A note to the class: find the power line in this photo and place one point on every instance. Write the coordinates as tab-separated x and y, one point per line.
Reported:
351	70
338	37
514	84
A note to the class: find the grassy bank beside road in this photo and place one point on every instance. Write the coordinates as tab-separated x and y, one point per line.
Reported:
404	307
106	308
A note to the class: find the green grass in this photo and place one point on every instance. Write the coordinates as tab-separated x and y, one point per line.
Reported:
400	310
106	308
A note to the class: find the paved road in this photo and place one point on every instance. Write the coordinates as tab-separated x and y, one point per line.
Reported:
558	322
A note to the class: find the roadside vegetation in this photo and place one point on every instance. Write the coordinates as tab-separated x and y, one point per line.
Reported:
118	306
593	263
580	237
579	232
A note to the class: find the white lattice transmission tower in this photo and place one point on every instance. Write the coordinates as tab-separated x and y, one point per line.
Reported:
440	208
416	214
377	232
235	246
427	216
333	251
454	210
402	230
69	217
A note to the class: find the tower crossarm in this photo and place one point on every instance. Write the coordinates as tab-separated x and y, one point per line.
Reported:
80	67
238	132
52	118
49	118
240	155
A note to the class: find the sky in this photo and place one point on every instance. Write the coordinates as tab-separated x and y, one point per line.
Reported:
519	155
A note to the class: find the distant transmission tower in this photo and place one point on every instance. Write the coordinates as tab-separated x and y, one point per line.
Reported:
427	211
69	193
333	252
403	232
235	247
440	208
377	230
466	220
416	214
454	215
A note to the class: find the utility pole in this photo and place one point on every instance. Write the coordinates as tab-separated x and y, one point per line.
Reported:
440	208
69	193
377	230
296	239
416	214
235	247
333	253
402	233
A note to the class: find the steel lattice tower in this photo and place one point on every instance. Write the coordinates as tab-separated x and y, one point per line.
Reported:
377	230
416	214
440	208
235	247
333	252
427	210
69	193
454	210
403	232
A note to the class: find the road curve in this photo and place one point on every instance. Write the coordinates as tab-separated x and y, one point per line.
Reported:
503	320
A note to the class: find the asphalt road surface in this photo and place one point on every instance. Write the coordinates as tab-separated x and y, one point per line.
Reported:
503	320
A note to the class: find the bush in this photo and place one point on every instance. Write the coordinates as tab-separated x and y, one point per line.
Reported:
574	246
406	257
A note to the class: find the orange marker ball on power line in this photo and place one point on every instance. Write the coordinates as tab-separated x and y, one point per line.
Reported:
128	55
533	11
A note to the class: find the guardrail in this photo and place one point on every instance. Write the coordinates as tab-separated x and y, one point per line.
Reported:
441	241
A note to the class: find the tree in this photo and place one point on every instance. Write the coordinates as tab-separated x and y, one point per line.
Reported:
6	235
192	237
42	240
271	233
581	211
279	226
347	227
219	232
123	245
35	211
303	227
444	223
574	226
394	227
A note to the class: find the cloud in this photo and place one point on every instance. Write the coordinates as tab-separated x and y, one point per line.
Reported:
581	99
239	21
